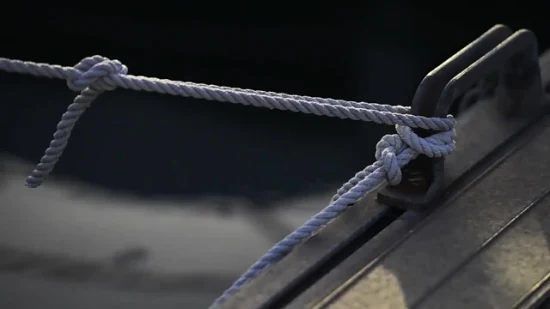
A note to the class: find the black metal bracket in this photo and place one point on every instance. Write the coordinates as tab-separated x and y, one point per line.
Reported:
366	231
514	60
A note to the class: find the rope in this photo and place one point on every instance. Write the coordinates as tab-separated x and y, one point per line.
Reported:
94	75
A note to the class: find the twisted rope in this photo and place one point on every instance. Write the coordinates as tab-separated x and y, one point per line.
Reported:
94	75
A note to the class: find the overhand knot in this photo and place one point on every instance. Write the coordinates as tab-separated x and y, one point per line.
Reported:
394	151
97	71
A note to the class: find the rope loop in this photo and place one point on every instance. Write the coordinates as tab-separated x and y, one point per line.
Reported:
96	71
390	150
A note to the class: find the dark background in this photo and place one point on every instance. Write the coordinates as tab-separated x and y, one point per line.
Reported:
151	144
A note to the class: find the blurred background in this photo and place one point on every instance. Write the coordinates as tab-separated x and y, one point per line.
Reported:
163	201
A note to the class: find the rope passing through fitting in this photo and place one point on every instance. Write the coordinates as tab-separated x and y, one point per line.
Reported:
94	75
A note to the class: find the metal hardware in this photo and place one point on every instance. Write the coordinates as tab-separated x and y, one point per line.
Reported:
518	93
363	234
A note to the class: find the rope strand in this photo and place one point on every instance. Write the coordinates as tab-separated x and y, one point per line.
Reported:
94	75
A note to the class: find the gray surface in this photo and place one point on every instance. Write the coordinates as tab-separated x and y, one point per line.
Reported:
61	245
507	267
472	159
436	250
19	292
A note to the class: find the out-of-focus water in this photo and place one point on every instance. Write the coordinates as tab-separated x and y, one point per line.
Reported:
170	239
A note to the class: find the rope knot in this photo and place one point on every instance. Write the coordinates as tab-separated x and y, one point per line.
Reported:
96	71
396	150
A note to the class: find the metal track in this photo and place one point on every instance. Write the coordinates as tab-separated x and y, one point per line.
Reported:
375	256
487	248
